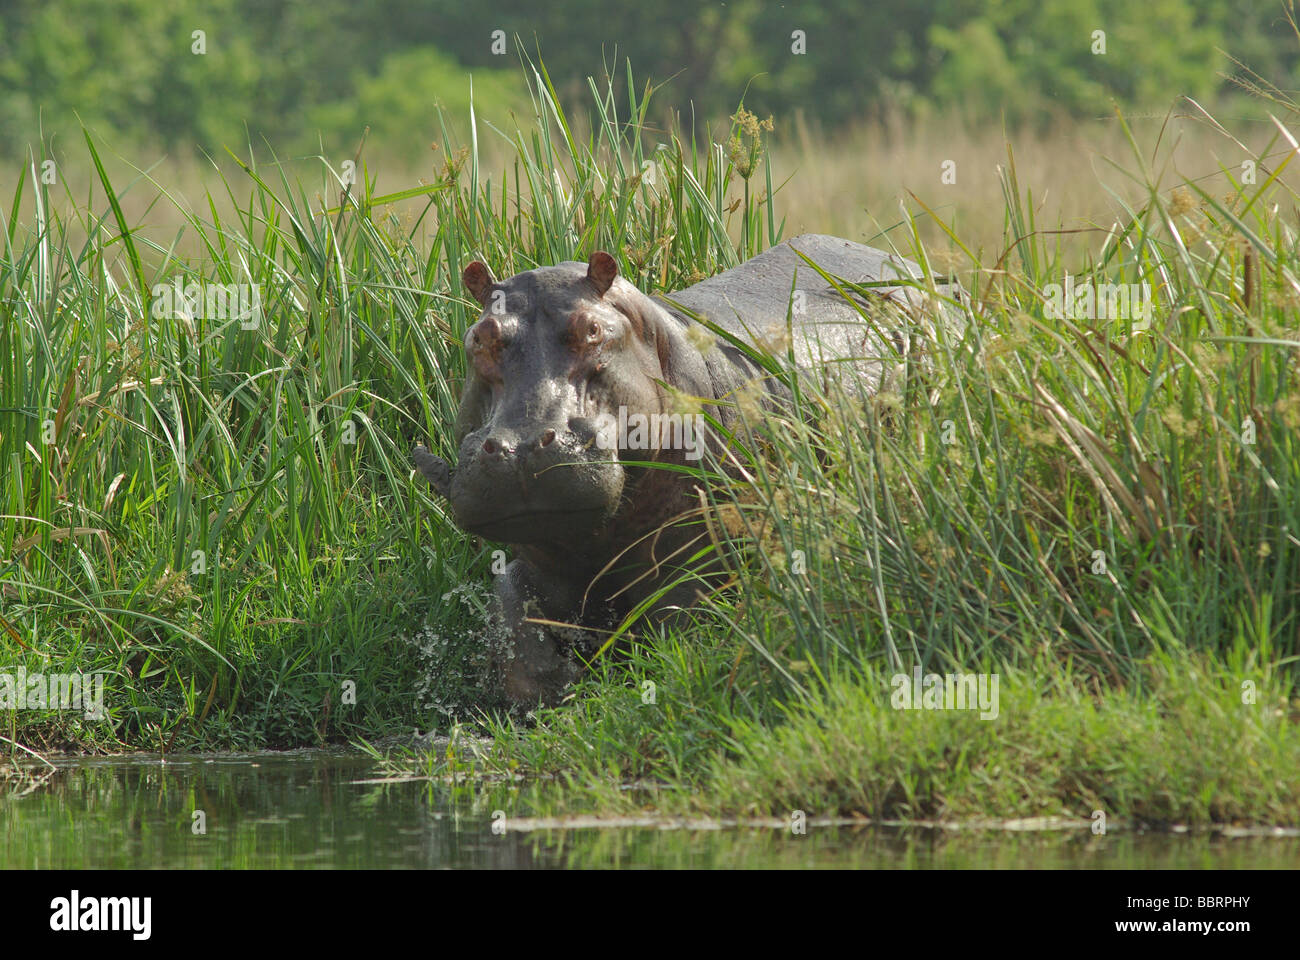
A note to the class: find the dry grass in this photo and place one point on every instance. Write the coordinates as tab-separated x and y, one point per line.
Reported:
852	183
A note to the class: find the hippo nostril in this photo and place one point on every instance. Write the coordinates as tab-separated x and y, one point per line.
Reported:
547	439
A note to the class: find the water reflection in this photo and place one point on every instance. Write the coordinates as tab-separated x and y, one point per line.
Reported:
307	809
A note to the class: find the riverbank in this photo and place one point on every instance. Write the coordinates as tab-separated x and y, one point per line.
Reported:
322	810
1183	748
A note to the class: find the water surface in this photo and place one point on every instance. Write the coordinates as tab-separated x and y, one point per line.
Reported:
316	809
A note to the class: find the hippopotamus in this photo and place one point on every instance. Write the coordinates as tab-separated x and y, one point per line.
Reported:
579	387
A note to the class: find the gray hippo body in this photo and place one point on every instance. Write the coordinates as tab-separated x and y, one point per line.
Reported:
754	298
563	353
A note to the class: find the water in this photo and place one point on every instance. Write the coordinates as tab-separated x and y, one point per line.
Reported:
309	809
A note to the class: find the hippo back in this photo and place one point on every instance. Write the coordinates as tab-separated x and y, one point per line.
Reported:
751	302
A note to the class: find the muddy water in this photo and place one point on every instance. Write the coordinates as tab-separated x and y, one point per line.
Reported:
325	810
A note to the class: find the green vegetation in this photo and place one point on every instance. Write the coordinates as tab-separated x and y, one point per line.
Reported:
224	519
1176	746
1099	511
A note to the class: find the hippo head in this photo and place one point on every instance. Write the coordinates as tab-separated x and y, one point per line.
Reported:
555	355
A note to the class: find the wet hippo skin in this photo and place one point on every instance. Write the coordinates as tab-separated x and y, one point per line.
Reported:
558	353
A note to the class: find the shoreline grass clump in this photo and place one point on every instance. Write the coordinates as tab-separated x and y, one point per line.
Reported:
220	513
1181	749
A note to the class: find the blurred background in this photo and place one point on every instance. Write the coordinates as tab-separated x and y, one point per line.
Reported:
303	72
867	99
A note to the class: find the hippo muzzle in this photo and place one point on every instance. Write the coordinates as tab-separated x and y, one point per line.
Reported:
534	485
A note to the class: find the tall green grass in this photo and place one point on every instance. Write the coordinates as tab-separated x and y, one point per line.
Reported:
1096	488
1103	510
224	519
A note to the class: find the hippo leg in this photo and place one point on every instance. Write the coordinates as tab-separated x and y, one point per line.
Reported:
528	660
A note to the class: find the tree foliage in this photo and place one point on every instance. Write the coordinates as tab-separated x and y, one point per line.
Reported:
307	71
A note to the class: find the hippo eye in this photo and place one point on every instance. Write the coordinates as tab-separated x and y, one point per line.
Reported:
593	331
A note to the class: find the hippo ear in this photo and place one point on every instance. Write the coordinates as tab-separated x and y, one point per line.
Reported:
478	280
601	271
